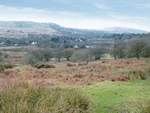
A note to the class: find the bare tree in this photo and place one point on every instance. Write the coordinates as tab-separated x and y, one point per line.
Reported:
97	52
67	53
136	47
81	55
119	49
38	55
58	53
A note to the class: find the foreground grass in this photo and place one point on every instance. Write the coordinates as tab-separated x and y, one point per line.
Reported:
128	97
25	98
108	97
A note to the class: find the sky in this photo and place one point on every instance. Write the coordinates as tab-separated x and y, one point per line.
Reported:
85	14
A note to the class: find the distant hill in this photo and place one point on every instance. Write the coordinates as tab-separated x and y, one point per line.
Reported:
48	28
20	29
123	30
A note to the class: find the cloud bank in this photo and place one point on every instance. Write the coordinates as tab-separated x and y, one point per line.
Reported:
70	19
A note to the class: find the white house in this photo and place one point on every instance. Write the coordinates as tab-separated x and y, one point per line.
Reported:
87	47
76	47
34	43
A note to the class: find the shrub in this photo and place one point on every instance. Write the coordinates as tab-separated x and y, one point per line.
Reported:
89	83
39	66
25	98
70	65
78	76
138	74
6	55
103	61
8	66
83	63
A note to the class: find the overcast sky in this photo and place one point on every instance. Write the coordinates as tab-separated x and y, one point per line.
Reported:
90	14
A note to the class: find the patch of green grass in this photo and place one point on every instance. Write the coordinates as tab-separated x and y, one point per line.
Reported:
23	72
61	83
119	96
89	83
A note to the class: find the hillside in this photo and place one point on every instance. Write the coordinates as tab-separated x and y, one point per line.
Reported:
19	29
124	30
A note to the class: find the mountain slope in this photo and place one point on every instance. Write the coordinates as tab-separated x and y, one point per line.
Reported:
123	30
18	29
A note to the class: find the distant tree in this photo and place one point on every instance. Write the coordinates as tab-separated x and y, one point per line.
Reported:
68	45
38	55
1	60
136	47
119	49
67	53
97	52
81	55
1	53
46	44
146	52
58	53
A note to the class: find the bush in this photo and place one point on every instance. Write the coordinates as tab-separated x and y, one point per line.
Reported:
138	74
6	55
24	98
78	76
14	49
8	66
39	66
70	65
89	83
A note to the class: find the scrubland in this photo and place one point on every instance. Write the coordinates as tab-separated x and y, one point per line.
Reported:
96	87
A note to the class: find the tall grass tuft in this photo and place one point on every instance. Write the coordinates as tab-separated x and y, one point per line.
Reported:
26	98
145	107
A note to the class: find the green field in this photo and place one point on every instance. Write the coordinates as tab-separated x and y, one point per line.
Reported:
119	96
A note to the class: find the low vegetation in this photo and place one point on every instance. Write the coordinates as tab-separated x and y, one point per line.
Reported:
120	97
39	66
23	97
6	66
62	76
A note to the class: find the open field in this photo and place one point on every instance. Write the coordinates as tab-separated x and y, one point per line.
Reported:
120	97
116	86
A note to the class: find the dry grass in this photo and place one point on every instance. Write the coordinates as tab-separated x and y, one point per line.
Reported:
97	71
22	97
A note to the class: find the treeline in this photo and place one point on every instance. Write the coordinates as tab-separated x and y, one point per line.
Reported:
124	36
133	48
39	40
71	54
121	49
